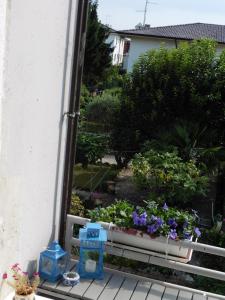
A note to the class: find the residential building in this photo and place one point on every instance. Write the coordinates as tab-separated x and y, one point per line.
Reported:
146	38
117	43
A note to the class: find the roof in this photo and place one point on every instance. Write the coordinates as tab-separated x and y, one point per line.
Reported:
184	31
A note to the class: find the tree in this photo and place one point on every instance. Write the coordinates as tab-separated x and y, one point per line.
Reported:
97	52
176	99
169	87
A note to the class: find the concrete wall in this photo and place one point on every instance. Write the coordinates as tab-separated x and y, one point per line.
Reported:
36	39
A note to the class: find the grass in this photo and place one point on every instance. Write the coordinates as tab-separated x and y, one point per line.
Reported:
92	177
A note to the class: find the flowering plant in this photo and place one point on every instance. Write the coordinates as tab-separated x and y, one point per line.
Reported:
21	282
166	221
151	219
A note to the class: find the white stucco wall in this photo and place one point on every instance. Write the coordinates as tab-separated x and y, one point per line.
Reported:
139	45
117	43
36	39
220	48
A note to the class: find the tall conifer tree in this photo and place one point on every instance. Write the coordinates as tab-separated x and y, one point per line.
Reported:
97	52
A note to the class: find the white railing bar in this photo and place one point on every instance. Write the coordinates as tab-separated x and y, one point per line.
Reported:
110	246
175	265
187	268
186	244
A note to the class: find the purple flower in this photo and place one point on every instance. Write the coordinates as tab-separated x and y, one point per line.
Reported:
143	219
187	235
185	225
173	234
152	228
172	223
153	218
135	218
140	220
165	207
159	222
197	232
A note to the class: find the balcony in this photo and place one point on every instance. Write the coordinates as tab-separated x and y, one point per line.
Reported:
121	285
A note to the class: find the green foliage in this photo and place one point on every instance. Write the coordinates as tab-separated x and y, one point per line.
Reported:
76	207
90	148
97	58
152	219
169	88
103	108
167	177
114	78
93	177
119	213
209	285
124	138
85	97
214	238
191	142
178	84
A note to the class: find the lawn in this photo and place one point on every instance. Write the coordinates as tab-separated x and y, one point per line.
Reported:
92	177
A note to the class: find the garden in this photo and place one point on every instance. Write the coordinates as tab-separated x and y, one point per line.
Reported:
163	128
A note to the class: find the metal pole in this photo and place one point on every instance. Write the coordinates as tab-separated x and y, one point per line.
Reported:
145	11
73	114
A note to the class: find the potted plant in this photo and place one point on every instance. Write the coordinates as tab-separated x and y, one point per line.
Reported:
152	227
24	287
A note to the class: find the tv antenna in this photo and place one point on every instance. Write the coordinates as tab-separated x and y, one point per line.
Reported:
108	19
146	9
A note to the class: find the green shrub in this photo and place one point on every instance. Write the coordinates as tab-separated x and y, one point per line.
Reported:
119	213
167	177
76	207
103	108
171	86
114	78
84	96
90	148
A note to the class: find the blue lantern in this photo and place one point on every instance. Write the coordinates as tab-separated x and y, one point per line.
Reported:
53	262
92	241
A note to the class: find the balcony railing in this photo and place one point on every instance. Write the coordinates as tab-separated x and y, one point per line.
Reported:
129	283
153	257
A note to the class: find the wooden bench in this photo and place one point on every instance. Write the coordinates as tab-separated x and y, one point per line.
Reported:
124	286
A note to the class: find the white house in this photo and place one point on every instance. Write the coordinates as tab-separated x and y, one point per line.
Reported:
117	43
147	38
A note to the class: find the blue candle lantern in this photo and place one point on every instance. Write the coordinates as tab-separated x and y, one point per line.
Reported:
92	241
53	262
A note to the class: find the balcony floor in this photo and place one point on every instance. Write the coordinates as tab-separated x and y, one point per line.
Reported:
118	285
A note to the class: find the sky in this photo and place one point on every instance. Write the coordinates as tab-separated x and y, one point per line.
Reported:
123	14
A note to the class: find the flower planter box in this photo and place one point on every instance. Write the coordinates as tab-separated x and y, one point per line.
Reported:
138	239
